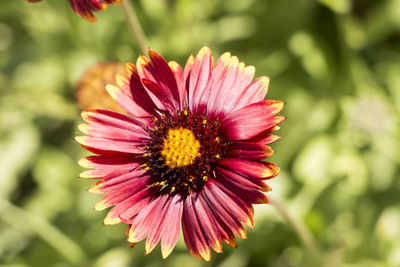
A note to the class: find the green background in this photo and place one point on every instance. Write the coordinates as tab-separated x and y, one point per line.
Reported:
336	64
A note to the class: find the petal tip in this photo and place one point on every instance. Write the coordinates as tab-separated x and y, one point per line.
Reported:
81	139
165	252
109	220
100	205
96	188
84	128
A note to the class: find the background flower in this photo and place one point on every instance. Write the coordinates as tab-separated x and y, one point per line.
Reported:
85	8
91	88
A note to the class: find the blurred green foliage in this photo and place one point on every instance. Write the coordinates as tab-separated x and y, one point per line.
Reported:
336	63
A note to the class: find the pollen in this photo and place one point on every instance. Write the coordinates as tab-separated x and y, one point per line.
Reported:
180	148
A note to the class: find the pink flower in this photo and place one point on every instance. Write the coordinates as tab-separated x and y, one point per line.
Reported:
85	8
190	152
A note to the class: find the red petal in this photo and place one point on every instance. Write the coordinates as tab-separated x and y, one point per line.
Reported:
254	93
245	182
180	81
125	101
199	76
113	119
246	190
108	162
146	220
115	198
231	203
209	95
128	207
171	228
108	147
220	211
251	120
105	165
233	94
120	183
250	151
158	229
208	224
187	69
158	71
247	168
162	95
192	232
137	91
113	133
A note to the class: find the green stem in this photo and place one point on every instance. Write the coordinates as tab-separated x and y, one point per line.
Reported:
135	26
299	227
32	223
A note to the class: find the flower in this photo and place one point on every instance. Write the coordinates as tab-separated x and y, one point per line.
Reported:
189	153
90	89
85	8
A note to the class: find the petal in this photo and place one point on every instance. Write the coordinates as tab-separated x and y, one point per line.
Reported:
216	79
230	87
158	71
237	207
127	208
251	120
192	232
107	162
254	93
109	147
120	183
163	74
247	168
115	198
247	182
263	139
179	77
208	224
146	220
199	76
104	165
83	10
137	91
187	69
162	95
246	190
113	119
234	93
135	134
125	101
158	228
130	207
172	223
220	211
250	151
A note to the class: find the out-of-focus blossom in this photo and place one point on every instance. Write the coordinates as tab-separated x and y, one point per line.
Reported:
85	8
189	153
90	90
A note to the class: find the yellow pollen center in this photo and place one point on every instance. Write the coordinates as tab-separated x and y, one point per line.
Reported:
180	148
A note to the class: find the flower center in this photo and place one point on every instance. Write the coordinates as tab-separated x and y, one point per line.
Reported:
180	148
182	152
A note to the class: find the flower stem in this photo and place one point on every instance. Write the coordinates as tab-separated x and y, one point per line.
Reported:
299	227
135	26
31	223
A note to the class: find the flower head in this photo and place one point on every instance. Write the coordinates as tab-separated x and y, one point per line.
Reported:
189	153
90	89
85	8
